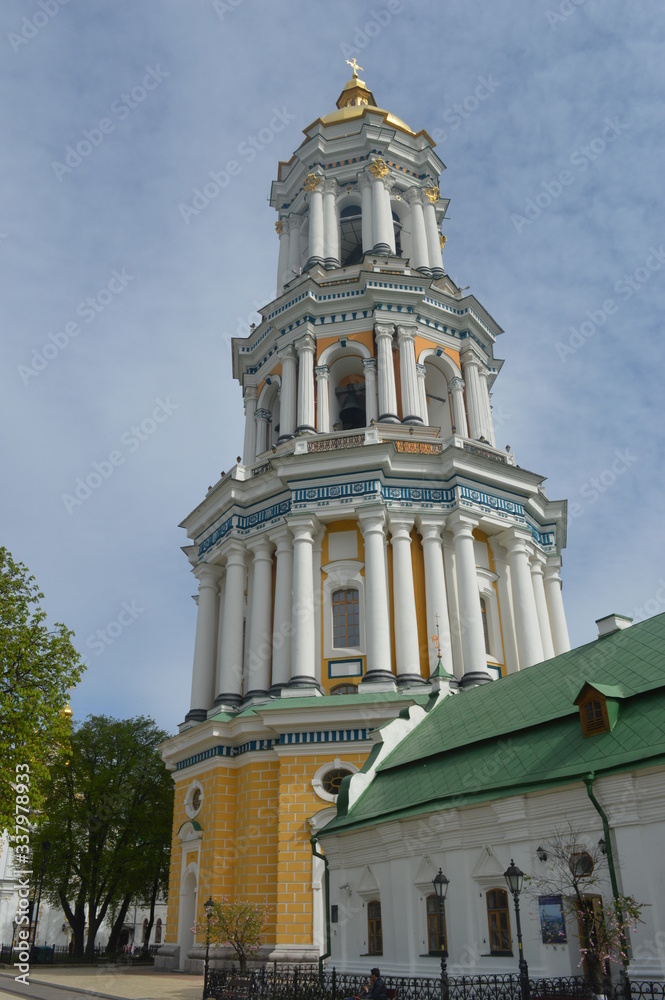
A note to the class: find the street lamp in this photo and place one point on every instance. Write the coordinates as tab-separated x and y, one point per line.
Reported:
514	877
208	906
46	846
441	883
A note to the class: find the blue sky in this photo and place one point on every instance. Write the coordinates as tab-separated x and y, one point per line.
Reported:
118	311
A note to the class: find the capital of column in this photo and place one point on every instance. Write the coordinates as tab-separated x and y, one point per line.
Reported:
251	392
429	527
456	385
260	547
281	538
235	552
384	330
330	186
262	414
365	178
369	364
552	570
304	528
207	575
322	372
306	343
286	353
415	196
406	333
421	371
461	524
469	357
372	522
538	561
400	526
516	540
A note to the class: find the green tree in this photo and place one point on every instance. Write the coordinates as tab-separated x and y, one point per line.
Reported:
237	924
109	809
39	665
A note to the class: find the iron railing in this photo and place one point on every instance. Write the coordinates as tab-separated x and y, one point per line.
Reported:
289	982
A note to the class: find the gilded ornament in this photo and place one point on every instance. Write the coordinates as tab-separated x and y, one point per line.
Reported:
442	240
433	194
379	168
353	63
312	182
279	227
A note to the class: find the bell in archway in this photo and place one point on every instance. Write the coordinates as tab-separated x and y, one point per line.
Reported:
352	412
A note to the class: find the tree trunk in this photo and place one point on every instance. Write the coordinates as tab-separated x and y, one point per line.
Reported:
116	929
76	920
151	918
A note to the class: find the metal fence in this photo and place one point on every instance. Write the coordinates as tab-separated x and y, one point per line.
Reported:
282	982
63	955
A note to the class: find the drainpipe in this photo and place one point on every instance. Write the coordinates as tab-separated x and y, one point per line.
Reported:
326	882
588	781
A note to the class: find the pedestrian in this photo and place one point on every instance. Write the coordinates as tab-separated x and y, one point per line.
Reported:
376	989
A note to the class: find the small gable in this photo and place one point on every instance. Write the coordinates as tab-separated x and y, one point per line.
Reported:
599	707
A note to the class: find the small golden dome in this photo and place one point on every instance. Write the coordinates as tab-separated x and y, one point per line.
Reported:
356	98
66	712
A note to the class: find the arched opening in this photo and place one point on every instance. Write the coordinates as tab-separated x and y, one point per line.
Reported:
397	225
438	403
269	402
351	236
347	400
158	931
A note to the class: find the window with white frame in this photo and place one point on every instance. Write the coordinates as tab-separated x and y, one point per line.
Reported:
343	613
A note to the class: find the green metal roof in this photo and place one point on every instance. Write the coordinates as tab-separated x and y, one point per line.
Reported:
523	732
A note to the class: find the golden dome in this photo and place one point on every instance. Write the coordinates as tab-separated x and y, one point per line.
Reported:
356	98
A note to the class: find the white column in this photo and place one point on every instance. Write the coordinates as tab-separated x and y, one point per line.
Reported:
432	230
261	417
485	401
220	629
552	584
383	333
282	229
230	687
330	224
377	610
504	593
420	252
529	644
407	648
470	366
408	375
537	563
322	399
303	642
205	644
471	622
436	598
249	443
421	372
371	400
382	218
295	250
282	629
287	398
456	390
365	184
260	637
315	225
305	417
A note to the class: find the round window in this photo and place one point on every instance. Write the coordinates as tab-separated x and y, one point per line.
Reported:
581	864
193	799
332	779
196	799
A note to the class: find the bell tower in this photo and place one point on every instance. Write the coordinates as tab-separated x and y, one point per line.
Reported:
371	509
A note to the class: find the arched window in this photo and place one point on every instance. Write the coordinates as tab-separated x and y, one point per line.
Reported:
346	618
498	920
374	933
486	631
145	931
433	939
344	689
158	931
397	225
351	237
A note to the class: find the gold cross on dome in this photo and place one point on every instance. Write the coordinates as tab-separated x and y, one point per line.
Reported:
353	63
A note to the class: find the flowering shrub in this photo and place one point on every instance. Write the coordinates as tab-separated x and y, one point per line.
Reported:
237	924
